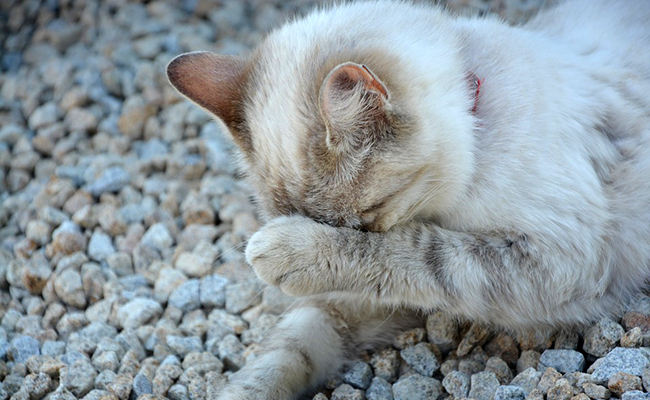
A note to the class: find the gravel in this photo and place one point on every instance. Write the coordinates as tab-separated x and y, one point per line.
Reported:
564	361
483	385
630	361
123	219
457	384
358	375
509	393
421	359
416	387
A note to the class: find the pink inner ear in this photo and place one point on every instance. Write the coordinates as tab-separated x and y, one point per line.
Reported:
346	76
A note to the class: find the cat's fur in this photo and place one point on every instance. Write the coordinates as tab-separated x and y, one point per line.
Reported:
356	126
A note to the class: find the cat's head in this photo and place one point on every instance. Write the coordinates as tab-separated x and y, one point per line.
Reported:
336	129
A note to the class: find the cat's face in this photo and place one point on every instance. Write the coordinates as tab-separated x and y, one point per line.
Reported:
338	138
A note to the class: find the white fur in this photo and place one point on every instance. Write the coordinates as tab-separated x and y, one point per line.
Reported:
559	150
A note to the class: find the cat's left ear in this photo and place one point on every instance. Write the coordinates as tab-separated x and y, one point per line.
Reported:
215	82
352	101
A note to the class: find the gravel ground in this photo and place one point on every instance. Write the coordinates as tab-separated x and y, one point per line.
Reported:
116	197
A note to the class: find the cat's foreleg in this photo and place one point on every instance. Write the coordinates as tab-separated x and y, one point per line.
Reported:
515	278
310	344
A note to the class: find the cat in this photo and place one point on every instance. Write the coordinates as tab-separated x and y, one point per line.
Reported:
405	158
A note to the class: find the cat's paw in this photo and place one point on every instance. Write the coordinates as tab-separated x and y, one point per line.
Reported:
293	253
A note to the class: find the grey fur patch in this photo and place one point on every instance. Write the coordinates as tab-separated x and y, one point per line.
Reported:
436	260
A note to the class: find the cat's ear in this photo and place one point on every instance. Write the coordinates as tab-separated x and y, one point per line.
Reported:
352	100
214	82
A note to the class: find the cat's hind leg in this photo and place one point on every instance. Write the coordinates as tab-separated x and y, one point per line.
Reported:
310	344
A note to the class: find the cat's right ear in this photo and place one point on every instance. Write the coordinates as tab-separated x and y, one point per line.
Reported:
214	82
353	102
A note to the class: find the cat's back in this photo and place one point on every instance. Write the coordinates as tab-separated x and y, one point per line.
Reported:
614	29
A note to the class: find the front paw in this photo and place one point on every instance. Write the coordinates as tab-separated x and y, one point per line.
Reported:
293	253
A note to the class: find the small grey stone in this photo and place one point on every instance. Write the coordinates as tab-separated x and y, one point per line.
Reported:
528	359
527	380
138	312
53	348
186	296
379	390
510	393
500	369
96	394
100	246
409	338
202	363
106	360
122	386
213	291
39	231
79	119
71	356
231	352
358	375
602	337
167	281
242	296
44	115
104	378
120	263
12	383
112	180
347	392
631	361
561	389
483	385
61	394
476	336
193	265
622	382
80	378
564	361
38	385
178	392
158	237
141	385
417	387
470	366
52	215
456	383
11	133
421	359
130	342
385	364
232	323
110	344
22	347
632	338
635	395
596	391
184	345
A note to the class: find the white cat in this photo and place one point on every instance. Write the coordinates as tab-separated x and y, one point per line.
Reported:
411	158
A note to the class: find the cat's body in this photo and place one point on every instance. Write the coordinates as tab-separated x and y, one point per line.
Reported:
531	209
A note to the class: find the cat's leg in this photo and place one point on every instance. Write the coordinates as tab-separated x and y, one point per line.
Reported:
310	344
516	279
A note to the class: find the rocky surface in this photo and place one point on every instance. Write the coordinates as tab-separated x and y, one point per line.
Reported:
123	222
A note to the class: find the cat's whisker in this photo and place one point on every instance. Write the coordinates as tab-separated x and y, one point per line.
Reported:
231	250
